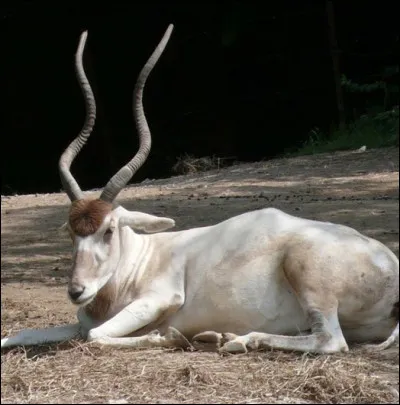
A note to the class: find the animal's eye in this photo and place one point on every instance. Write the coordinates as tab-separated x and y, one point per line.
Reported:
107	235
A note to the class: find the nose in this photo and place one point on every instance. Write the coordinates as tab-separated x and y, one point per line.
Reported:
75	292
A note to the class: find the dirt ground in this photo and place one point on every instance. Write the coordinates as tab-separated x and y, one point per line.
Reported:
359	189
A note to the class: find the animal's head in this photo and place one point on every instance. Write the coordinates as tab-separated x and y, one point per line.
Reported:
96	226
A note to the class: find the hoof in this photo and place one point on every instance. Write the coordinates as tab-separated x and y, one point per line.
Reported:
208	341
227	337
176	339
234	347
231	343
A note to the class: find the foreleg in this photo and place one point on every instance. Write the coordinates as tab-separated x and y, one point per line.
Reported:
140	313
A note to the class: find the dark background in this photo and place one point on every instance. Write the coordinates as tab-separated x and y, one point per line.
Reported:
238	79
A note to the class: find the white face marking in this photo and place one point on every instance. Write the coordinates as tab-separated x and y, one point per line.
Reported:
97	256
93	263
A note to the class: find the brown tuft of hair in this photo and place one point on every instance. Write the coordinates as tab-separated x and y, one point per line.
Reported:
86	216
99	308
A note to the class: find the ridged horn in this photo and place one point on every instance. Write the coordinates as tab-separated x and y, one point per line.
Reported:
68	181
121	178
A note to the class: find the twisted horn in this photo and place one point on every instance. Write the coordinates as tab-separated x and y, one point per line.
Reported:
121	178
70	185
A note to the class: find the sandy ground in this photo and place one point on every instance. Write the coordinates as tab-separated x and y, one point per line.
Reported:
357	189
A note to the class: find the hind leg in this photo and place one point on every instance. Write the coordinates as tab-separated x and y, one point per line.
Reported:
326	337
317	297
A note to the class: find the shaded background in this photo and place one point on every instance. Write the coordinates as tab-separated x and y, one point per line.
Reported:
244	80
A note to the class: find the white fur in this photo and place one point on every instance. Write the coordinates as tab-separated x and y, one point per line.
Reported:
231	277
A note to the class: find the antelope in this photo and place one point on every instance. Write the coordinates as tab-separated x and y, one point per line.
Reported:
260	280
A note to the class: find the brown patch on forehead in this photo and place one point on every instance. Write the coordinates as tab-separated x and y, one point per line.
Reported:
86	216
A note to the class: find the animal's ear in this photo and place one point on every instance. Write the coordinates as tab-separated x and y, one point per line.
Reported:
143	222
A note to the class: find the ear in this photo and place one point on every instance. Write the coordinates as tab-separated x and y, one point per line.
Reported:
143	222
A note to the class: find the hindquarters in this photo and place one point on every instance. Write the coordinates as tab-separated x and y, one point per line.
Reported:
369	306
353	279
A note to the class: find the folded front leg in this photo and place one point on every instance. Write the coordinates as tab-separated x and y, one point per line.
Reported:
172	339
142	312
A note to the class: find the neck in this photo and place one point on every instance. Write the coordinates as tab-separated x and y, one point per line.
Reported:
136	255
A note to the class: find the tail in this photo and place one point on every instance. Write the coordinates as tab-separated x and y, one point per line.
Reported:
390	341
394	337
33	337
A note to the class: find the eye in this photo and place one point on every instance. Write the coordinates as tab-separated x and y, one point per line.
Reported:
107	235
